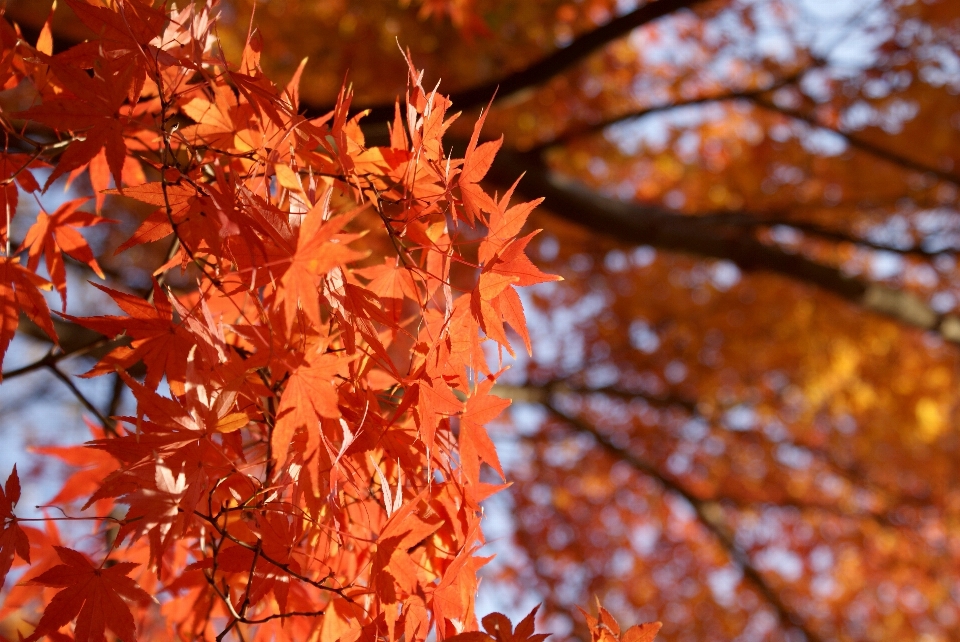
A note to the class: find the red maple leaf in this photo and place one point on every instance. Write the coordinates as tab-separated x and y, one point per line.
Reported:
93	595
12	538
89	107
92	466
14	171
158	341
53	235
20	291
606	629
500	629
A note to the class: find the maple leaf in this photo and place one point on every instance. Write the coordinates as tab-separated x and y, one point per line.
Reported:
126	32
499	627
179	205
605	628
158	341
98	171
310	394
94	596
504	224
248	188
54	234
475	446
319	250
90	106
392	284
476	163
435	400
494	299
20	291
13	540
393	566
14	171
93	467
459	579
122	31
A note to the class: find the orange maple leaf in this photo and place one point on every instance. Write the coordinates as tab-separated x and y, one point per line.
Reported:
475	443
494	299
158	341
319	250
476	163
310	393
53	235
93	595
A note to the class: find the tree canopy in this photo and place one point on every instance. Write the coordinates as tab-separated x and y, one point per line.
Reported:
739	411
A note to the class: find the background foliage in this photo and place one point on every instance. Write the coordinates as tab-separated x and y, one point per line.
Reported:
740	417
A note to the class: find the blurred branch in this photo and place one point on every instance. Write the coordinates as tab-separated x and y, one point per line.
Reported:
858	143
116	395
819	231
728	95
544	69
543	394
74	341
709	513
708	237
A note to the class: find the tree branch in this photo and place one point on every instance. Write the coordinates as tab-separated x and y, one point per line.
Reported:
708	237
539	72
725	96
542	394
109	426
856	142
709	513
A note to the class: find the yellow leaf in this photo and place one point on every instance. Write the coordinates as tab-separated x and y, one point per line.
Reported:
232	422
288	178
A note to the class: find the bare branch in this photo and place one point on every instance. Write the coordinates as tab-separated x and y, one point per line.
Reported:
109	426
542	394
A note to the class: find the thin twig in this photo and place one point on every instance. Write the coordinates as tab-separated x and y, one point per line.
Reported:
109	426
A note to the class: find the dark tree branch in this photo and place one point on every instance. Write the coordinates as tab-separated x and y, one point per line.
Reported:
766	220
542	394
825	233
74	340
552	65
707	237
730	95
858	143
709	513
